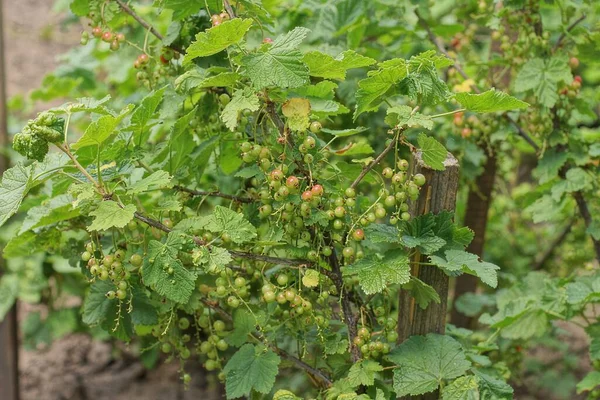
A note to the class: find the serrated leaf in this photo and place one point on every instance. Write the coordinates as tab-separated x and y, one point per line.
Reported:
164	272
325	66
459	260
406	116
285	395
96	304
241	100
433	152
310	278
213	260
243	324
382	233
363	373
375	274
345	132
144	113
142	312
489	101
224	220
110	215
463	388
542	77
371	90
250	368
425	361
15	185
491	388
280	64
575	179
156	180
297	112
55	210
421	292
183	8
217	38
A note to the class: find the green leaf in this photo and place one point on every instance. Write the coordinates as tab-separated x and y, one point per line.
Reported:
241	100
156	180
224	220
9	288
459	260
421	292
15	184
345	132
422	82
406	116
213	260
432	151
594	229
463	388
285	395
217	38
382	233
542	77
376	274
550	164
297	112
490	101
243	324
279	64
576	179
100	130
372	90
165	273
250	368
142	312
81	8
110	215
57	209
589	383
183	8
491	388
363	373
96	305
325	66
144	113
424	362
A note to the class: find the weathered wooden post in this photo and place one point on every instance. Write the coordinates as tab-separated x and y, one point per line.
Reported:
9	343
438	194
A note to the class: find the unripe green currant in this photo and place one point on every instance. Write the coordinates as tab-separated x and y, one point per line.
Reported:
419	179
315	127
350	192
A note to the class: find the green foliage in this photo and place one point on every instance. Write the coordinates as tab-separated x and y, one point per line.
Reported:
250	368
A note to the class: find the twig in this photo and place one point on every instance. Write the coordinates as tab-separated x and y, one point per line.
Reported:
228	8
587	217
376	161
522	133
146	25
569	29
213	193
552	248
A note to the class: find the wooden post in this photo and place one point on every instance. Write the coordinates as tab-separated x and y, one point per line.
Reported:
9	342
438	194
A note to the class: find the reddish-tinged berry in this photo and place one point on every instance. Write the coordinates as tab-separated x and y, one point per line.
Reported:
317	190
143	58
276	175
307	195
268	40
107	37
163	59
358	235
292	182
120	37
578	78
574	62
97	32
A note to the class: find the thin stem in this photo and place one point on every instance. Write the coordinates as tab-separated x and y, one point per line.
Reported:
569	29
213	193
66	150
228	8
146	25
448	113
376	161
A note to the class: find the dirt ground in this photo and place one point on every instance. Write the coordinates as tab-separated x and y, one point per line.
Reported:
76	368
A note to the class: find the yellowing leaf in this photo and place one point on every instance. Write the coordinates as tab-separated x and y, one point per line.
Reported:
296	111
